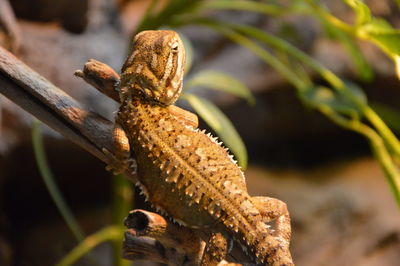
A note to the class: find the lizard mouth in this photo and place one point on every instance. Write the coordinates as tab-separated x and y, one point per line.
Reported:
155	98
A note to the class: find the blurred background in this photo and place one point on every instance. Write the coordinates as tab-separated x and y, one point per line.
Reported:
343	210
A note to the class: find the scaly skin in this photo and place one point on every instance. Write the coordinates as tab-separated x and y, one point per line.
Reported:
182	171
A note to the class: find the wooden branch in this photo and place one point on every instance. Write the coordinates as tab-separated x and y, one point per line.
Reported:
54	107
174	245
149	236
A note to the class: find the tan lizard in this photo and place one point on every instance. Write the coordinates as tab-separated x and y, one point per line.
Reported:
184	172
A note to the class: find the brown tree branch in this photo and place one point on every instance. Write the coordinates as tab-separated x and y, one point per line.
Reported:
175	245
54	107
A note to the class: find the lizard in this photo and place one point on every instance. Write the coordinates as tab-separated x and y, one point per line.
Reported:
184	172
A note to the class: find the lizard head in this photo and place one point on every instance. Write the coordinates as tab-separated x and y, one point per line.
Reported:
154	69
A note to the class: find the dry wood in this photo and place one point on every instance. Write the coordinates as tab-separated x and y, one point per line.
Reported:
54	107
175	245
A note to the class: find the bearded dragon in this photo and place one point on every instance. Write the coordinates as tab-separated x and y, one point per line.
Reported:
184	172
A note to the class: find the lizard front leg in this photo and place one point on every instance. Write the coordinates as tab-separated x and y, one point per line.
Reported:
272	209
122	159
185	117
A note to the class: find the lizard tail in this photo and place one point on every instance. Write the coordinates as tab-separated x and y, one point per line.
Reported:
259	240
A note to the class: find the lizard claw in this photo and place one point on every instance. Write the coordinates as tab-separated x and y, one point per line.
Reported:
116	166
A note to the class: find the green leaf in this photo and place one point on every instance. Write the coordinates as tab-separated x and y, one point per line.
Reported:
240	38
383	35
363	14
220	124
320	96
221	81
388	114
252	6
376	30
362	67
356	92
169	10
270	9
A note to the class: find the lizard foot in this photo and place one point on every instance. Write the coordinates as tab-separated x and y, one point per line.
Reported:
218	246
120	166
275	211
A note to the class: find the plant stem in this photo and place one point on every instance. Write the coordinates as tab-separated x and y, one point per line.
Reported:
109	233
48	179
122	203
377	145
331	19
390	139
258	50
252	6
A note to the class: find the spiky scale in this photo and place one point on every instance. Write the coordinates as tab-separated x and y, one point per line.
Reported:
173	176
183	182
190	190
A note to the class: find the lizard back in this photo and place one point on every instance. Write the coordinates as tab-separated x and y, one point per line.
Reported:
191	177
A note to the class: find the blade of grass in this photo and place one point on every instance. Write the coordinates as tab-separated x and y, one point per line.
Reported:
363	69
252	6
48	179
389	115
110	233
377	145
122	204
256	49
170	9
318	10
220	81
